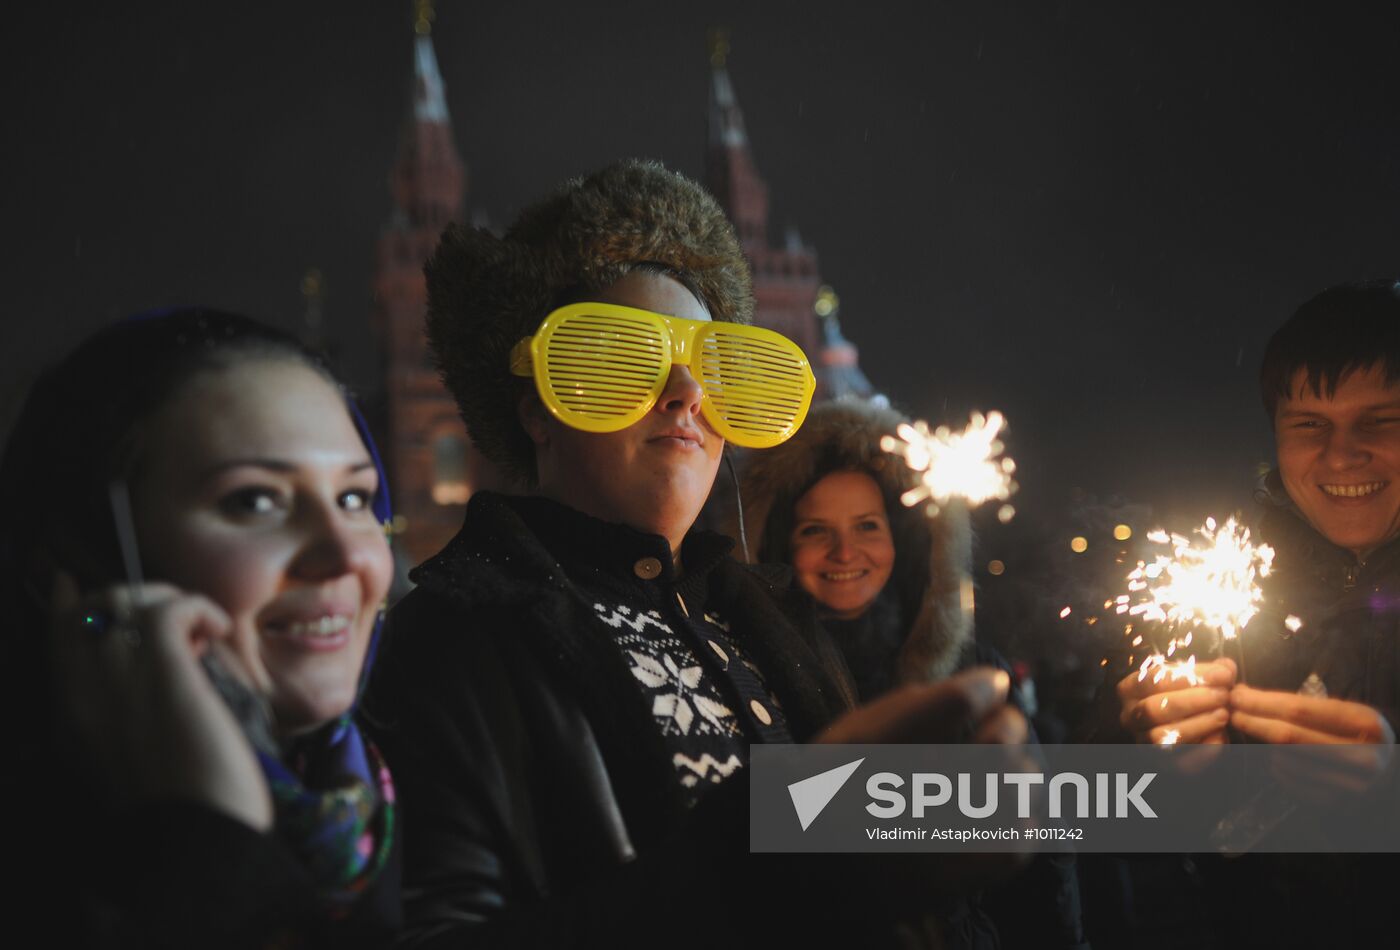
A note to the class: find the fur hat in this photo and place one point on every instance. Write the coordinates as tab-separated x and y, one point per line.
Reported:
485	294
933	557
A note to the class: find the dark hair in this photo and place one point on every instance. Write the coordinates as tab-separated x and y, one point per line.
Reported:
79	430
1345	328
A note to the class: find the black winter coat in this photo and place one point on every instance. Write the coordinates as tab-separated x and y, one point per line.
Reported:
173	874
1350	609
539	804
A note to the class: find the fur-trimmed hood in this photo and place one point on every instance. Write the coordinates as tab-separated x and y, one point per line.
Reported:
933	557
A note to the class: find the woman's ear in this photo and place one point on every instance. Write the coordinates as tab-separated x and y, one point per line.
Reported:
534	417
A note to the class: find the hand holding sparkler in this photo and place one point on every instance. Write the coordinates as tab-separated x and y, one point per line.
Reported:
1208	585
1177	703
1309	717
953	468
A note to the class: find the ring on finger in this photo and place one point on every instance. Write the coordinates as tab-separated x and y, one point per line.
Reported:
103	625
96	622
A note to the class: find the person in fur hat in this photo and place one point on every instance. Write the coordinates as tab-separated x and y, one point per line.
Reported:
891	585
569	694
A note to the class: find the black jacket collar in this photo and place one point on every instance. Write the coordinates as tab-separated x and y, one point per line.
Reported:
506	540
1303	553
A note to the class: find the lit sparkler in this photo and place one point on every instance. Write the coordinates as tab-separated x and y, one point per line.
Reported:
1212	584
1158	668
1210	581
967	465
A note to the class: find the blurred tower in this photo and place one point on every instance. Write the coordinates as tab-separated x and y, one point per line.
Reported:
425	445
838	374
785	278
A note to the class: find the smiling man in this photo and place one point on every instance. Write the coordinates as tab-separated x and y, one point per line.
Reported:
1332	386
1330	382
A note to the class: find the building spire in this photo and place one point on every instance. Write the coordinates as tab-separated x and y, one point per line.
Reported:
429	96
726	121
786	279
423	17
428	179
719	47
730	167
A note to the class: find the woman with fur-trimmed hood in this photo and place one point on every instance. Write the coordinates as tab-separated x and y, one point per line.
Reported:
894	589
891	582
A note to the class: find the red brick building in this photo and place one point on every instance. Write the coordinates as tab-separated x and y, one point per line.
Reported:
425	443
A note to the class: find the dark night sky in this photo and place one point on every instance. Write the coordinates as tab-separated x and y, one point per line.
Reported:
1087	216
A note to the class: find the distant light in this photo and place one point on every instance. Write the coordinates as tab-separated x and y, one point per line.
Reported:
451	493
996	568
1079	545
1293	623
1005	513
1122	532
1065	613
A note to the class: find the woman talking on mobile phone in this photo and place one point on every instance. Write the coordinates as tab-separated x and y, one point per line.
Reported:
197	569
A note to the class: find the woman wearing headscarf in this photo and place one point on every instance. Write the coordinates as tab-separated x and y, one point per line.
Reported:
570	694
894	589
195	557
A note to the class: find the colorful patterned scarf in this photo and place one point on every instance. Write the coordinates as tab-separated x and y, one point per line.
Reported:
334	800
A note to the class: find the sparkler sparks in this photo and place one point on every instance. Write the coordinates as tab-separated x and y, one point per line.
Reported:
1159	669
968	465
1208	581
1213	584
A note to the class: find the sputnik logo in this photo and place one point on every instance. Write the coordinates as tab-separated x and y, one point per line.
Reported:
811	795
